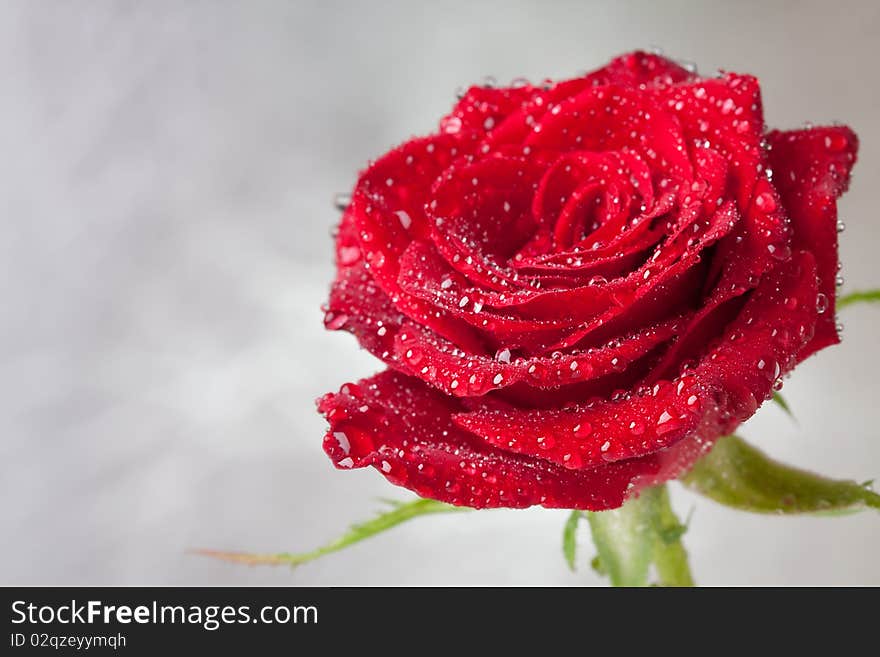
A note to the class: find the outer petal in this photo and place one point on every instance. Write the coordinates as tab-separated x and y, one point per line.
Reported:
811	169
387	213
404	429
358	306
728	114
483	108
636	70
641	69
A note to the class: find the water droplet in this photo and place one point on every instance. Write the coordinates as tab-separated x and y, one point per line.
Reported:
583	429
343	441
405	219
341	201
503	356
451	125
498	379
835	142
348	255
821	303
335	322
636	427
765	202
666	423
840	226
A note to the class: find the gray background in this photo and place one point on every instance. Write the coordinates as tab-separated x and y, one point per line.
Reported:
166	184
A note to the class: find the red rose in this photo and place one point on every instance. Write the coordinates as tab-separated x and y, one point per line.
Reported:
578	287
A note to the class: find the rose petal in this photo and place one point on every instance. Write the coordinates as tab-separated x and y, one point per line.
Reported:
811	169
726	115
641	70
404	429
483	108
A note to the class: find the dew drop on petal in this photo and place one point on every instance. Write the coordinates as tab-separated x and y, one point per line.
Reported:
636	427
765	202
343	441
582	429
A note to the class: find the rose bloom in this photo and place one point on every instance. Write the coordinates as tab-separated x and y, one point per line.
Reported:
578	287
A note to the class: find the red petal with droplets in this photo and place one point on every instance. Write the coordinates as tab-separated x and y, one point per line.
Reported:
811	169
404	429
463	374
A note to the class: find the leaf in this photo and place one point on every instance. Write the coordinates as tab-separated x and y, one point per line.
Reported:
399	513
779	400
738	475
569	539
859	296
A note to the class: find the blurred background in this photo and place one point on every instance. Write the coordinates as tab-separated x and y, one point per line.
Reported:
166	184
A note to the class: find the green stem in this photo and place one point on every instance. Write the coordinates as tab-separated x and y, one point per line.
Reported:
670	557
645	530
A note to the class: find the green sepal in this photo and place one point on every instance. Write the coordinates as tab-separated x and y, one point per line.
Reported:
780	401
